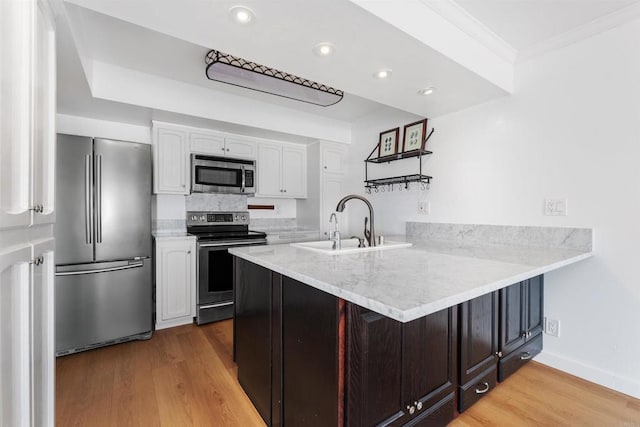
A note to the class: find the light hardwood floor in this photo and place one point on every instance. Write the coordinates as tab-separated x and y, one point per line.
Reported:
185	376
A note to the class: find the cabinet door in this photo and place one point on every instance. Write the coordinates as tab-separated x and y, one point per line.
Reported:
294	172
15	336
310	386
269	168
171	162
512	317
252	333
374	369
206	144
429	350
535	307
44	112
332	158
42	325
175	284
332	190
240	148
478	336
15	111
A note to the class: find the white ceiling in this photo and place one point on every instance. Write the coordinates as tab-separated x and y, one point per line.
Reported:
524	24
465	48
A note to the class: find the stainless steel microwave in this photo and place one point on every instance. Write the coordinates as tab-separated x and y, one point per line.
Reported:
211	174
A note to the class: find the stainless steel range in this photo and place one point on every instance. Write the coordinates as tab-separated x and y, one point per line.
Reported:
216	232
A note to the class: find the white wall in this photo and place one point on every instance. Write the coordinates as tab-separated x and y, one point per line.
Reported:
571	130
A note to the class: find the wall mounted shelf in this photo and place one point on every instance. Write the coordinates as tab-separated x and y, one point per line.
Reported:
402	180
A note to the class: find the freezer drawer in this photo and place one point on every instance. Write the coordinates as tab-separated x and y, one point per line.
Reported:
102	303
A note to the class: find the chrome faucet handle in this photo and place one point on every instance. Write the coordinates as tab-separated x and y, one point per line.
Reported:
337	244
360	241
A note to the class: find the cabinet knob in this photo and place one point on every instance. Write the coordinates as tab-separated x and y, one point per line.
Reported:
411	409
227	149
528	334
285	190
418	405
37	261
188	252
222	148
525	355
499	353
325	167
38	208
483	390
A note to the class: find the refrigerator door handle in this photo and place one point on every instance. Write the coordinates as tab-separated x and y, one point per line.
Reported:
98	199
101	270
88	199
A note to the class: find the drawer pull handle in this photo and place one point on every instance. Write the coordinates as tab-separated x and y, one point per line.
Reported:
484	390
525	355
418	405
411	409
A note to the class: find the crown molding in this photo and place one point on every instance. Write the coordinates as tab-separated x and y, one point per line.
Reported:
582	32
458	16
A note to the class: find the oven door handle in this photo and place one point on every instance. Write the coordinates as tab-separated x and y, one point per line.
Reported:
236	243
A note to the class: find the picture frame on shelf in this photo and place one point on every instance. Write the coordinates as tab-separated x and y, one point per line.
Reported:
388	142
414	136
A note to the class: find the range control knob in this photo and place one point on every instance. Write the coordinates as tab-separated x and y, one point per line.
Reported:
244	217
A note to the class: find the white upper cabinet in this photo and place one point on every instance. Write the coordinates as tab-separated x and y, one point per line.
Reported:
332	158
172	149
206	144
171	161
218	145
282	170
236	147
27	113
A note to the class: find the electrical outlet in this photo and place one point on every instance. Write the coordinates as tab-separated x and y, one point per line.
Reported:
423	208
555	207
552	327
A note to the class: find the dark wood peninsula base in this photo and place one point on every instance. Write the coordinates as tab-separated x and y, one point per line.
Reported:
308	358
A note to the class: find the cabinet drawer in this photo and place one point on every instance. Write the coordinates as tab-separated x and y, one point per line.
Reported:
511	363
471	392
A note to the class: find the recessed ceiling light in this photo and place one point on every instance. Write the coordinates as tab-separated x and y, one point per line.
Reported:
382	74
323	49
427	90
242	14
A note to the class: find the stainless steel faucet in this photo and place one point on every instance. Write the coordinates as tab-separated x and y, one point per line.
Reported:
369	234
335	235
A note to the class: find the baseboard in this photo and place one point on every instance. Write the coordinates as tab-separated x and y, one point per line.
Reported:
590	373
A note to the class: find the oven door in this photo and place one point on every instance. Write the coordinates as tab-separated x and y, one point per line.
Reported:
221	175
215	279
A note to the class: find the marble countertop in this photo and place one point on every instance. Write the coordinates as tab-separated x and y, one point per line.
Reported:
406	284
171	234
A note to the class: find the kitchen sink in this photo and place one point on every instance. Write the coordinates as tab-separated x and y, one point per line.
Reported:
349	246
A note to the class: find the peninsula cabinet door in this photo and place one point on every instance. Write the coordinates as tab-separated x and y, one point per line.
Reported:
374	370
478	323
400	374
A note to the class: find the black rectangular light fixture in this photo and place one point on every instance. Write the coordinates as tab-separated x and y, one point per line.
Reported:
229	69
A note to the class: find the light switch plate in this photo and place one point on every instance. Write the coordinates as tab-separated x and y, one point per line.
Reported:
555	207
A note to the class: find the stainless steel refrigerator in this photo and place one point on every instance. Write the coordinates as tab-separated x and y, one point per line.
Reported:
103	290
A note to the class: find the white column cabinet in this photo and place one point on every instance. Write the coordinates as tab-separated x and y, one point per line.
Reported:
171	173
42	333
282	170
27	159
327	168
175	278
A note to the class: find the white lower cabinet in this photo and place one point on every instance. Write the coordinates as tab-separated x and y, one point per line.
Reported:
175	279
26	313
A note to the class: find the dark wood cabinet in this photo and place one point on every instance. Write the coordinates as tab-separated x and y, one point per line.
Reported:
521	324
400	374
307	358
252	332
478	346
310	356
